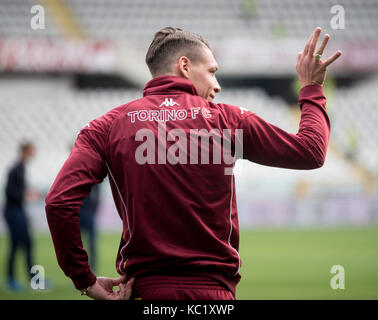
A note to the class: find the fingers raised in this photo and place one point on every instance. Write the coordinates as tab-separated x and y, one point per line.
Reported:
314	41
332	58
323	44
307	46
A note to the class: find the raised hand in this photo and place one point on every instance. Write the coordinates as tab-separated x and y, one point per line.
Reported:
311	69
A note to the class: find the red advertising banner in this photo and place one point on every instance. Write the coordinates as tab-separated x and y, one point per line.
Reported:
50	55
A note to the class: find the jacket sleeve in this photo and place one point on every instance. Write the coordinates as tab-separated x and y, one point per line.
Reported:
269	145
84	167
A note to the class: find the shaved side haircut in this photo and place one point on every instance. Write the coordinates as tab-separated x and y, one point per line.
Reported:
168	44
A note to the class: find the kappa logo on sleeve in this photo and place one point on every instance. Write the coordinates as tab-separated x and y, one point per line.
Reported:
169	103
243	110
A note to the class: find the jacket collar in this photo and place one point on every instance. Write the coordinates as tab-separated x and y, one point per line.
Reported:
169	84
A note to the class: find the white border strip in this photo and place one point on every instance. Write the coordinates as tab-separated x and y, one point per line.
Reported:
127	219
229	237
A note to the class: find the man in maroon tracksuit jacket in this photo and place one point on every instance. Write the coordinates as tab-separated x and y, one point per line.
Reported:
175	196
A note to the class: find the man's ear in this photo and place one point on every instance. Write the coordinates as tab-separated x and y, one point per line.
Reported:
184	66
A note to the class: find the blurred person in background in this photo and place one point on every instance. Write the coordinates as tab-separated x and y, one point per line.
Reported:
16	193
88	212
180	235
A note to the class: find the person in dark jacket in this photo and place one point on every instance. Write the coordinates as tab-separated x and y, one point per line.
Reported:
15	215
88	212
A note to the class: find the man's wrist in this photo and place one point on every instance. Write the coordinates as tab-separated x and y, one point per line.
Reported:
84	280
305	84
84	292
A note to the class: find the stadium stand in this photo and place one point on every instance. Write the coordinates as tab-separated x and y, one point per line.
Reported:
354	123
218	19
50	111
15	20
136	20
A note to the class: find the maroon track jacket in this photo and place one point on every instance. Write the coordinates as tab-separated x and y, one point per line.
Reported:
179	218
